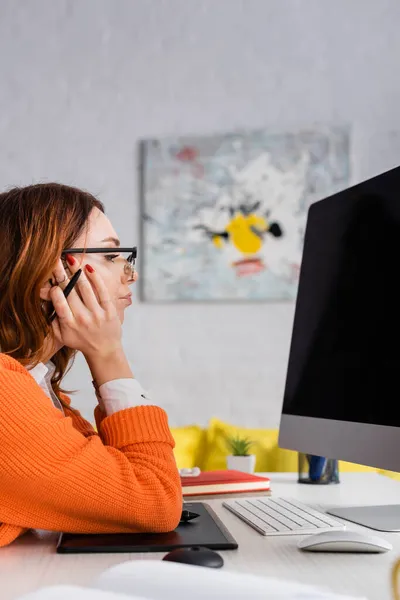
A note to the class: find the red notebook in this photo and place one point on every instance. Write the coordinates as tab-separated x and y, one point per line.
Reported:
223	482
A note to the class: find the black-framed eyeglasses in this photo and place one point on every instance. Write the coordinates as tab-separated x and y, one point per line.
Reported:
129	267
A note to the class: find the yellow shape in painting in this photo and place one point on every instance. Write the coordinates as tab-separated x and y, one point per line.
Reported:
242	237
217	241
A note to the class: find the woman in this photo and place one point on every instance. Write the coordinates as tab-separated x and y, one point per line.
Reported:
56	472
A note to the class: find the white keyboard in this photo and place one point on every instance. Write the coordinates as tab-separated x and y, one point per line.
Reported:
281	516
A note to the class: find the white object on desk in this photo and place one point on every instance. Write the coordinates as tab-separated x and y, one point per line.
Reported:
156	580
193	472
281	516
344	541
73	592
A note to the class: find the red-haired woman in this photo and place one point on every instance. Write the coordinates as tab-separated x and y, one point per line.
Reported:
56	472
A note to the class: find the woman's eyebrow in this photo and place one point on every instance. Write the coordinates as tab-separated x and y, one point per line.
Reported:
112	239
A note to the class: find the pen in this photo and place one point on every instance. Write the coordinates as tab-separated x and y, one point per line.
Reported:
67	291
316	467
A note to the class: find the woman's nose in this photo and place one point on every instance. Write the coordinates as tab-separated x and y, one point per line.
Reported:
131	279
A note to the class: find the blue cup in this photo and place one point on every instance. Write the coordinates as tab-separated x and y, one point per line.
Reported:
318	470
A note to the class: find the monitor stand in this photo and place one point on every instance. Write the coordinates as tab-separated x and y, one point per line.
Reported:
382	518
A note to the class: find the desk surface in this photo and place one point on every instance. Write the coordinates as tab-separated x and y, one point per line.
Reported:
30	563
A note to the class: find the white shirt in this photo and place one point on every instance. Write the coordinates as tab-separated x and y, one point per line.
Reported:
114	395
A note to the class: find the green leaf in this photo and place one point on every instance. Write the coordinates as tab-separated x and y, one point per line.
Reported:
239	446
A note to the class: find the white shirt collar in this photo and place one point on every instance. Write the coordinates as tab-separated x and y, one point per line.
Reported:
42	371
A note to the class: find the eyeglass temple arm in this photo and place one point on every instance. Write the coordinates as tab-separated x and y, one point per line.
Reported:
133	250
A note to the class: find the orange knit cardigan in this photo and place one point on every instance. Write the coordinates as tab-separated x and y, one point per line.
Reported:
58	474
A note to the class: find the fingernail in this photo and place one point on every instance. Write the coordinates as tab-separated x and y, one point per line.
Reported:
89	268
70	259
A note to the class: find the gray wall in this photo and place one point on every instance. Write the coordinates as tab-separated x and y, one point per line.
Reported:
82	80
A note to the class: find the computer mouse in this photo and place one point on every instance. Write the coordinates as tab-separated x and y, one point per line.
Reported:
196	555
344	541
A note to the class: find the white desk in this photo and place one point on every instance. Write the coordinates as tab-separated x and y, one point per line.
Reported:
29	563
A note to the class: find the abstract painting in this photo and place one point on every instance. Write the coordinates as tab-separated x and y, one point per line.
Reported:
223	216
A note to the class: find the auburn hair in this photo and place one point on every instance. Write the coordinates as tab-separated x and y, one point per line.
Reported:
37	223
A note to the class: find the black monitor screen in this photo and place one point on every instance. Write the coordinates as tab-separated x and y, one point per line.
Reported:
344	361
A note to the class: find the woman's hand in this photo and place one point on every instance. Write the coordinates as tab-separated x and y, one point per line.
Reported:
87	320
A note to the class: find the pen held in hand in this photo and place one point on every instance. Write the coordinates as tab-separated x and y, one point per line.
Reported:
67	291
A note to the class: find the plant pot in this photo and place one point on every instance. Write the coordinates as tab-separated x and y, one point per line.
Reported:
241	463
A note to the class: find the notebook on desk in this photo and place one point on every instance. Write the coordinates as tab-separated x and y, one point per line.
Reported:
224	482
207	530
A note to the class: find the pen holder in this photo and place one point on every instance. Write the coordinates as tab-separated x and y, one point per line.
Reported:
317	470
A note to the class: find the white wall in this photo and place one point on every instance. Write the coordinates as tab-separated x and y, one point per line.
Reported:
82	80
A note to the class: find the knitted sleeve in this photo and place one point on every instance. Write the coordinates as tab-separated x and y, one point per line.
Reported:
57	474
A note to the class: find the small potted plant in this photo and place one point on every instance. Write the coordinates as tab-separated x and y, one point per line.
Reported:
240	458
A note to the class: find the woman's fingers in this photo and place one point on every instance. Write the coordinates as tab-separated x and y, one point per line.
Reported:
61	306
84	287
89	295
99	287
60	275
84	323
65	308
55	324
81	297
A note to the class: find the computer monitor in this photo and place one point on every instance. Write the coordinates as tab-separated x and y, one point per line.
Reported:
342	393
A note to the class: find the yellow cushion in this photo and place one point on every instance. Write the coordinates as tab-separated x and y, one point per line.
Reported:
269	457
265	444
189	446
